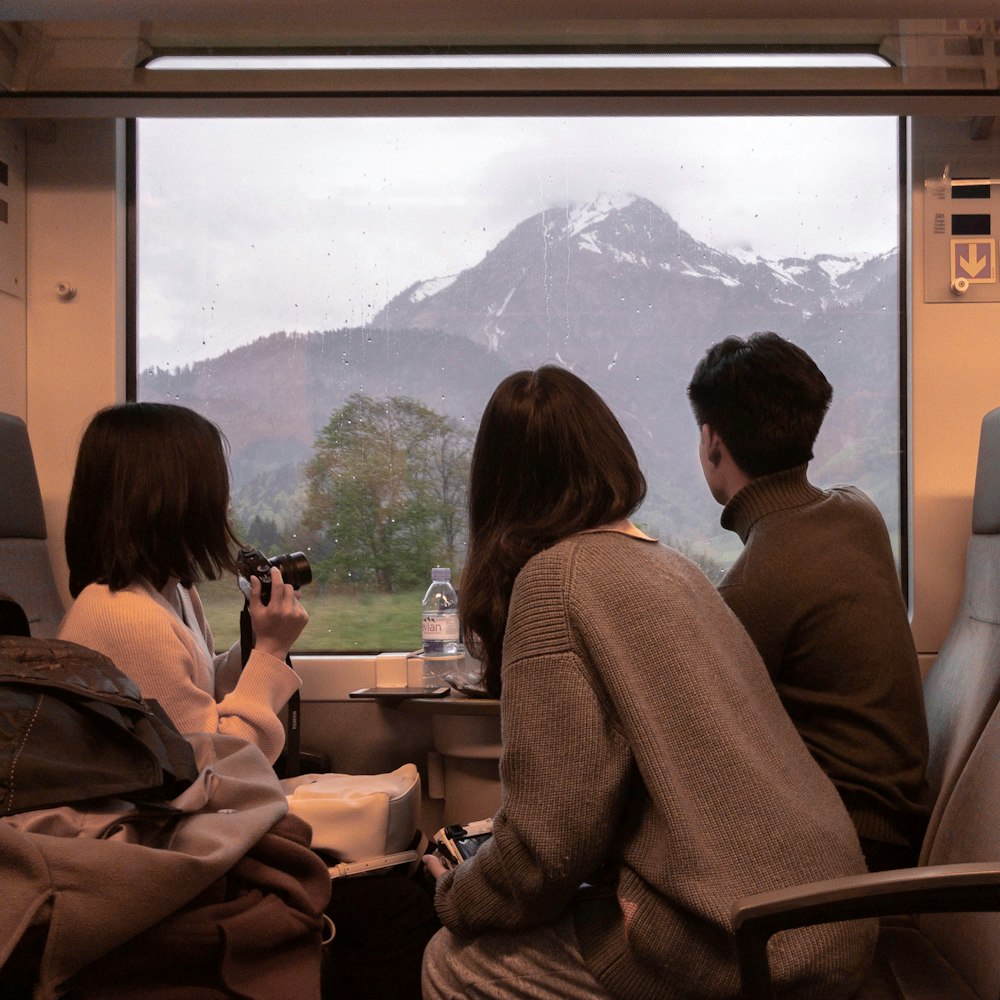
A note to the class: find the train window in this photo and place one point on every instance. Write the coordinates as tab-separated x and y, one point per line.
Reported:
341	296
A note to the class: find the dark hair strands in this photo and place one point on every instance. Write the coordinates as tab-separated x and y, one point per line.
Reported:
550	460
765	397
149	500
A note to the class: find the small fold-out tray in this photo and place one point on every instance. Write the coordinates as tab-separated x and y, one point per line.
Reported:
401	693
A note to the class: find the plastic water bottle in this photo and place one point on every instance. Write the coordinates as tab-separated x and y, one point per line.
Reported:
440	620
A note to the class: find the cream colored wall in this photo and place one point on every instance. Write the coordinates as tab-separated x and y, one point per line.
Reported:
13	356
956	380
75	359
74	362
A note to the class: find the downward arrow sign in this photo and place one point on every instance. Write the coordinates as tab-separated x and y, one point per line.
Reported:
973	264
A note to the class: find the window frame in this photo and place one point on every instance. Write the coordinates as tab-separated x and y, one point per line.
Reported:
507	95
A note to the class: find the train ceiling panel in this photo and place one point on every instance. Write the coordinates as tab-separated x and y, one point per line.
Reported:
60	58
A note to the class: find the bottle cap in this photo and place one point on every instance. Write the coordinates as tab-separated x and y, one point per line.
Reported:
441	574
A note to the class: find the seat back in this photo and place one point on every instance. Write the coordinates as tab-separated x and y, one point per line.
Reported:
963	686
24	555
969	831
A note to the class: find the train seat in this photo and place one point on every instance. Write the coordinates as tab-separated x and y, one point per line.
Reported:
948	949
962	687
24	555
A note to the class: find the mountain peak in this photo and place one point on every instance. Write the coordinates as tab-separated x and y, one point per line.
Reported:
581	216
603	267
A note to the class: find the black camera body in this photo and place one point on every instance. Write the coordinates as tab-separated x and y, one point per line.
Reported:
294	568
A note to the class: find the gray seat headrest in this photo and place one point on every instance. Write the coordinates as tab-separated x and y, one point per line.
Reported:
986	501
21	512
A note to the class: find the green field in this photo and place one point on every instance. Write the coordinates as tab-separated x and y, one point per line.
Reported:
338	622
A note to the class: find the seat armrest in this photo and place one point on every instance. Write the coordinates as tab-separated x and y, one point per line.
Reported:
971	886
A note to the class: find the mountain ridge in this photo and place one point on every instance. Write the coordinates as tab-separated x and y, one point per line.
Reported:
613	289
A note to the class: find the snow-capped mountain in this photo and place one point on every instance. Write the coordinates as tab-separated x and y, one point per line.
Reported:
613	289
587	277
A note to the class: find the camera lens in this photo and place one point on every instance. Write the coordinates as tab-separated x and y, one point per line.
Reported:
294	568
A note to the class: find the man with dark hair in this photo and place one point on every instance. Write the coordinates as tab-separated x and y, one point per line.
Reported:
816	587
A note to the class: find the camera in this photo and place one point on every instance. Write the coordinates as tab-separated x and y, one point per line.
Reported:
457	843
294	567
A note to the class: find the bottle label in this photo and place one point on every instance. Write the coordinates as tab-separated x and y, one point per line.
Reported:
440	628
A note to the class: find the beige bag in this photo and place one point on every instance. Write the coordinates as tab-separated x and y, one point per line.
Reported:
358	816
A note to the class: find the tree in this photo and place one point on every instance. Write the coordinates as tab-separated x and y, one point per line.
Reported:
386	484
262	533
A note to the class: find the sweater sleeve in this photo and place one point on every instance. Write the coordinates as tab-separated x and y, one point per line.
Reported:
167	661
564	771
251	709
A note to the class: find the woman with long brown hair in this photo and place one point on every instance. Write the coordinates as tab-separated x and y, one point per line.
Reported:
650	776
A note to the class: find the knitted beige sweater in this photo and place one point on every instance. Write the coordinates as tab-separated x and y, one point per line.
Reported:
175	665
645	750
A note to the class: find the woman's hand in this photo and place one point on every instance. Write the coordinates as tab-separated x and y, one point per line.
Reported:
280	622
434	866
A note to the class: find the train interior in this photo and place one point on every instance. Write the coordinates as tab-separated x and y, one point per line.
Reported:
71	79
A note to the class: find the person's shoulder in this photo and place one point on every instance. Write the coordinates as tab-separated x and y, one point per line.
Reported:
601	546
129	626
553	566
93	593
99	594
851	492
594	553
135	606
605	558
550	561
857	500
102	592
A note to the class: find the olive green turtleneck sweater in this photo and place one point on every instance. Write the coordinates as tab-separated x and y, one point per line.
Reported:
816	587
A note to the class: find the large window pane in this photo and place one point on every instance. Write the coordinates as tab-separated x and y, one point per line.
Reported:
341	297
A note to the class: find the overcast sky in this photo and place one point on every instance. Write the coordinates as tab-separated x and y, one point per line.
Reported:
252	226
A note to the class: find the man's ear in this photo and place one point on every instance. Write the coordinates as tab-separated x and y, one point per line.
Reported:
713	445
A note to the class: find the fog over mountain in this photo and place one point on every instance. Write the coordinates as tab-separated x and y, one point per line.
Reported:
617	292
